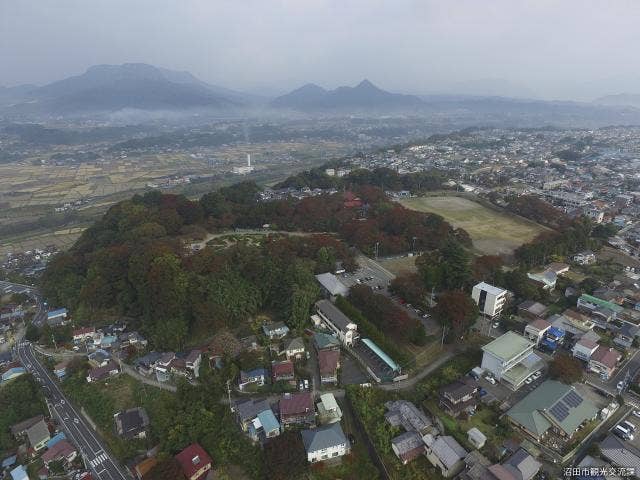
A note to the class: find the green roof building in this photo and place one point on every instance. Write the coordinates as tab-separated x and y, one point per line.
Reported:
510	359
553	406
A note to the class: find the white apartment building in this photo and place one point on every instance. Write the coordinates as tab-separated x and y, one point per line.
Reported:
490	299
510	359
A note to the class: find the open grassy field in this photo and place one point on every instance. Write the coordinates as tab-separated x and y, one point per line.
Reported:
493	232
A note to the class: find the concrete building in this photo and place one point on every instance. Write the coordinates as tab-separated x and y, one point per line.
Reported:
338	322
490	299
510	359
535	330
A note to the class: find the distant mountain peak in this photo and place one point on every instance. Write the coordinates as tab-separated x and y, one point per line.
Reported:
365	95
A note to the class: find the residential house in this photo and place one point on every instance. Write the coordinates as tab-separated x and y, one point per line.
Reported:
546	279
99	358
21	428
146	365
510	359
519	466
82	334
247	410
132	339
61	451
60	369
536	329
331	285
58	437
132	423
532	310
38	435
558	268
264	426
338	322
445	453
297	408
257	376
100	373
490	299
324	341
249	343
604	361
294	348
328	364
476	438
163	366
194	462
328	409
625	335
620	454
584	348
408	446
282	371
458	397
275	330
11	373
401	413
586	257
324	443
19	473
192	363
553	406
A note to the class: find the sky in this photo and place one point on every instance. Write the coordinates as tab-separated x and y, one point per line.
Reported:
560	49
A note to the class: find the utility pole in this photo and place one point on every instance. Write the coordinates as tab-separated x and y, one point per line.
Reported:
413	246
444	330
377	245
229	394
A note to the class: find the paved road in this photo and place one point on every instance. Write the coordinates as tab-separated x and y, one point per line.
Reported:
95	456
41	314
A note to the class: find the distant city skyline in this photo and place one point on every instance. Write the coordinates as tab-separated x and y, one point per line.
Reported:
573	50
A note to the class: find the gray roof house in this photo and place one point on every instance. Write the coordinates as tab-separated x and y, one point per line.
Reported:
445	453
519	466
38	435
275	330
619	453
132	423
552	406
294	348
247	410
332	285
407	446
326	442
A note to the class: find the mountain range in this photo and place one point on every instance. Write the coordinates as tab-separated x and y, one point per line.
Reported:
365	95
125	91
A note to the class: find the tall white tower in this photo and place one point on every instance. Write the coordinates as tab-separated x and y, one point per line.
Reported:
249	160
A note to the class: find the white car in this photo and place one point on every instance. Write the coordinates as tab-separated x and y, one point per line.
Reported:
529	380
636	413
537	375
491	380
495	325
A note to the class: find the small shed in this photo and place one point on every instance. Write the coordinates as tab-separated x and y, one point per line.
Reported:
476	438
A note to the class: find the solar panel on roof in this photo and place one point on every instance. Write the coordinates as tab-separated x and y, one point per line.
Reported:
559	411
572	399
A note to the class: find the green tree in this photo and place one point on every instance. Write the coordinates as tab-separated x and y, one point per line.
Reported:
566	369
285	457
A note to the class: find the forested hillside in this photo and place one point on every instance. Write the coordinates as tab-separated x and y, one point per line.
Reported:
134	262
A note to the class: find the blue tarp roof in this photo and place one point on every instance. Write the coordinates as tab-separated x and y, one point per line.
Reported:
556	332
55	439
386	358
7	462
56	313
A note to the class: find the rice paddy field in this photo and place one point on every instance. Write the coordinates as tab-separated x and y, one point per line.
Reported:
493	232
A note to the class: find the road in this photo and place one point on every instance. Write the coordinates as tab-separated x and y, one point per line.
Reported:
95	456
40	314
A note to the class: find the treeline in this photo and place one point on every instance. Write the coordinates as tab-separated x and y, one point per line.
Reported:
533	208
20	399
384	178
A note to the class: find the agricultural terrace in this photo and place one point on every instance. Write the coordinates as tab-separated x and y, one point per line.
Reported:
493	232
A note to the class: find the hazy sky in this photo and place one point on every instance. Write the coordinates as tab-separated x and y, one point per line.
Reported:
573	49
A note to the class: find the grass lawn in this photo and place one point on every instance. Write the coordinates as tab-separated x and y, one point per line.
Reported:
492	232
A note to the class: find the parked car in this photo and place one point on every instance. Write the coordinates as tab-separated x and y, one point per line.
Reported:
489	379
537	375
636	413
529	380
495	325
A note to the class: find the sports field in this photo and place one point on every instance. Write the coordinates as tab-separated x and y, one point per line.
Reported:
493	232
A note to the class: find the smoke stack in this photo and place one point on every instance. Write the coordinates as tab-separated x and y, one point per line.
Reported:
248	159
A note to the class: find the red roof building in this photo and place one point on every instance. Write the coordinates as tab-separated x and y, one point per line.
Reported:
62	450
351	200
329	362
194	462
297	408
282	371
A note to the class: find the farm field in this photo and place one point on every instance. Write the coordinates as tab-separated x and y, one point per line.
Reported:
492	232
